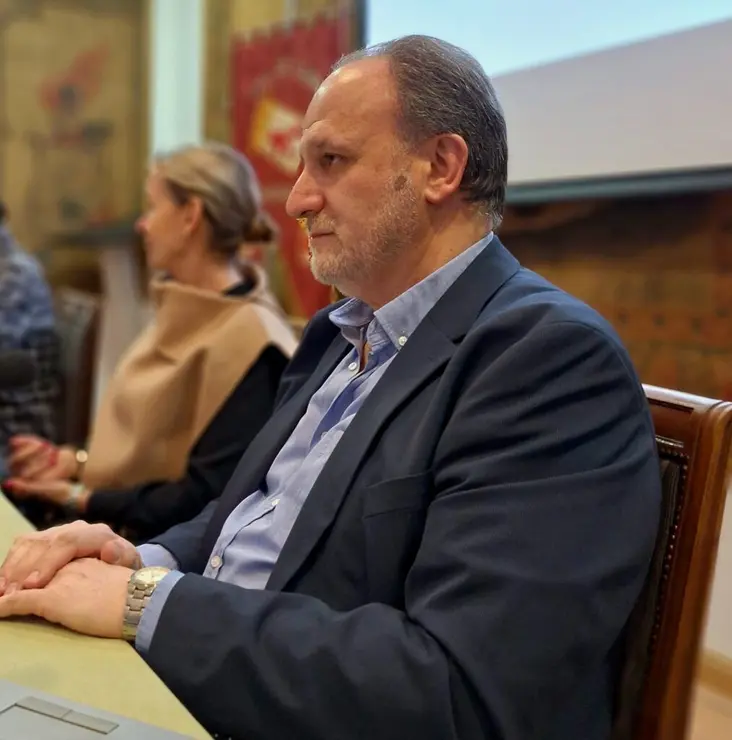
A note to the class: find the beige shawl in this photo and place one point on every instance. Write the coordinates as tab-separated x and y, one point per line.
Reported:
175	377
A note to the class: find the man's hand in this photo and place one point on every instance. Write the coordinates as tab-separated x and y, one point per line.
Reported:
34	559
86	596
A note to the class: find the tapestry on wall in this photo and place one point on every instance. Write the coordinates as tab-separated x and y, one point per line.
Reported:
70	126
274	76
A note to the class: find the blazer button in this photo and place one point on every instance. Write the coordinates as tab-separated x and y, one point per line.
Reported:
216	562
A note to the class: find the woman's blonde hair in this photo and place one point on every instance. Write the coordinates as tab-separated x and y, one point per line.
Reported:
225	182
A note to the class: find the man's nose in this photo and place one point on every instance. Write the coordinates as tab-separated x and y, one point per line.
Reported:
304	197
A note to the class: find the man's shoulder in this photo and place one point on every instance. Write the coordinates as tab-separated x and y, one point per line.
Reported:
528	304
532	329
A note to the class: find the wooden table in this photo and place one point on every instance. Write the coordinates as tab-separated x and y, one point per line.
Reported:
105	674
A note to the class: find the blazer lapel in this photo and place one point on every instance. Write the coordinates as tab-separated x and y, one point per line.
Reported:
267	445
425	353
429	348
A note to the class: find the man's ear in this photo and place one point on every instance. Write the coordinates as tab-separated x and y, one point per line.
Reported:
448	157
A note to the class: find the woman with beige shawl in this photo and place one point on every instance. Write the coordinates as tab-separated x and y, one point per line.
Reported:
199	383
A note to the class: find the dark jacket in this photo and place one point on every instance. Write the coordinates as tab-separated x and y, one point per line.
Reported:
466	562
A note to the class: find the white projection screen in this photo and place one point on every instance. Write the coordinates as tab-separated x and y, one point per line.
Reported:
592	91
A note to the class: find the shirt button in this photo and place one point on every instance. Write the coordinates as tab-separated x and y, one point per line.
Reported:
353	367
275	502
402	341
215	562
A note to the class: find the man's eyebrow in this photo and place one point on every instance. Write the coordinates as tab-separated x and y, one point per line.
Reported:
321	142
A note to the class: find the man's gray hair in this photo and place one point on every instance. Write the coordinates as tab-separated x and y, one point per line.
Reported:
444	90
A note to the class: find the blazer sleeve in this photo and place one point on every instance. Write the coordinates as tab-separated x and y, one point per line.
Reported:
535	546
178	547
148	510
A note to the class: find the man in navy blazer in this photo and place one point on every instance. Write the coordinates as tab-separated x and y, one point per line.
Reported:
442	530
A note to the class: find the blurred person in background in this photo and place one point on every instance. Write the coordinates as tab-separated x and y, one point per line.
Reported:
27	323
200	381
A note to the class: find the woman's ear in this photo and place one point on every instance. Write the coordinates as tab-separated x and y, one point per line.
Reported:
193	213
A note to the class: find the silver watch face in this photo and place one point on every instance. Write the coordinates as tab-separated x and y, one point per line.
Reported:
149	576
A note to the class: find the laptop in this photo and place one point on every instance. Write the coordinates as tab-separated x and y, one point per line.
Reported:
27	714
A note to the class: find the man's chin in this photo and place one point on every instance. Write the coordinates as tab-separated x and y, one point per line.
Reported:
322	274
330	281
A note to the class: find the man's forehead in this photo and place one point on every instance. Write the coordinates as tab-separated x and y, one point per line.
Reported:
357	92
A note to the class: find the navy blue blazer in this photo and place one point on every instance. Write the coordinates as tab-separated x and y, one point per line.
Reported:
466	562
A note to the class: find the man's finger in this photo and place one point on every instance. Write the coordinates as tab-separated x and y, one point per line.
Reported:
34	559
37	571
76	541
120	552
34	565
21	604
13	559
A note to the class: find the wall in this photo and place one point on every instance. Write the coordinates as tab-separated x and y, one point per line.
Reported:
71	130
660	269
176	73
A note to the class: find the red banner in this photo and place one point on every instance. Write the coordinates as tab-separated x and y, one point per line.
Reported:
274	76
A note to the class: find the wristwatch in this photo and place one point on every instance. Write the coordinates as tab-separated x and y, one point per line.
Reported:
77	491
139	590
81	456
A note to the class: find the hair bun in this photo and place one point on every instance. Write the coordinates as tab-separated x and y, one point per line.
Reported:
260	229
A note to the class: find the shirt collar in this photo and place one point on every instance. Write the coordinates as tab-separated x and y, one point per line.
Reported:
398	319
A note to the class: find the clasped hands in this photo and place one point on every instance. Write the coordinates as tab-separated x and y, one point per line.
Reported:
75	575
41	470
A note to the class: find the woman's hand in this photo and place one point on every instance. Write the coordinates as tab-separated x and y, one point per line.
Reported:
59	492
35	459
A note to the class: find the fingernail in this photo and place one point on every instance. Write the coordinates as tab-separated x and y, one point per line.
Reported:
8	485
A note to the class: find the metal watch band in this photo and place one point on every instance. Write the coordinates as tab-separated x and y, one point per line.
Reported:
137	600
75	494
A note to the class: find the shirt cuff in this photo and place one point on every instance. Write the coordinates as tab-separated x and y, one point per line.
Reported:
153	610
157	555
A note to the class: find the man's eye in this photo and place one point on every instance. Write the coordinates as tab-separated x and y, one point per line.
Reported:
330	159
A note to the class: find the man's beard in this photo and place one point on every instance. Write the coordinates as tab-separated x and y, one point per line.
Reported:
392	230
